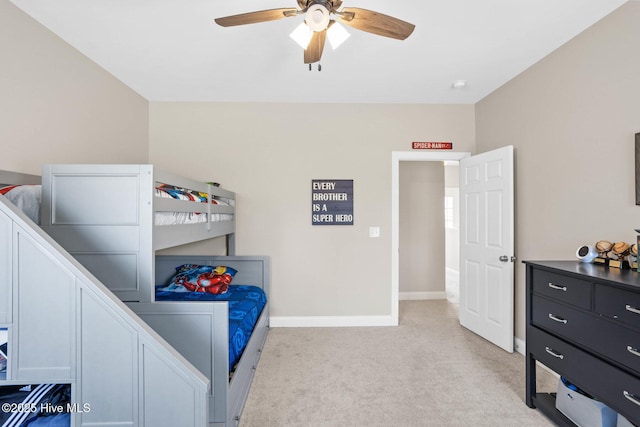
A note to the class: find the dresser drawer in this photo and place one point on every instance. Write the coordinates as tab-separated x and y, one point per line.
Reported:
618	304
565	321
599	335
619	344
556	354
611	385
563	288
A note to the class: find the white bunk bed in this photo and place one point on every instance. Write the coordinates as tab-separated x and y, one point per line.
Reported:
115	235
66	327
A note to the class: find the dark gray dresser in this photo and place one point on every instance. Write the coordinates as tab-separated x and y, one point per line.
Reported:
583	322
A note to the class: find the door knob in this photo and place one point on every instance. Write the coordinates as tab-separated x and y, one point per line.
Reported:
505	258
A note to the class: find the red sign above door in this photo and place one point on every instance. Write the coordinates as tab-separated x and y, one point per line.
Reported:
432	145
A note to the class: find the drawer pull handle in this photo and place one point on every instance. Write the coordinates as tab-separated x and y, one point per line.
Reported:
632	309
557	319
559	288
553	353
631	397
633	351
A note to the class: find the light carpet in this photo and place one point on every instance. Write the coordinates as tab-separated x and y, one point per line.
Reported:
428	371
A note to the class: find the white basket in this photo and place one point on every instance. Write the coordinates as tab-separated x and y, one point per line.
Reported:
583	410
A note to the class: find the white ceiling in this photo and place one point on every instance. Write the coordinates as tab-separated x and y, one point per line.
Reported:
171	50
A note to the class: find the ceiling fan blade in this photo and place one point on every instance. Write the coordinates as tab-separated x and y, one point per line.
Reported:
255	17
376	23
302	4
313	52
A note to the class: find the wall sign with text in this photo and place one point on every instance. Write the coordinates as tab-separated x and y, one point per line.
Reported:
432	145
331	202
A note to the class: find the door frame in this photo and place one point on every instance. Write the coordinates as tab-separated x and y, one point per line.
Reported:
396	158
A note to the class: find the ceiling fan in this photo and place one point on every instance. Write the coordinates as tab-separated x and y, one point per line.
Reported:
318	23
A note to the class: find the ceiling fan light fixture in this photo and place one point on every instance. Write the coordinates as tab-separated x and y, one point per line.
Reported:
317	17
302	35
337	35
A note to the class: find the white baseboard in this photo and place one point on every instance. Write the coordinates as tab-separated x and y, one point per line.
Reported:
405	296
519	345
329	321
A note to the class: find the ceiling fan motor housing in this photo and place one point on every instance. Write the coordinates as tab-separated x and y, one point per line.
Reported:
317	17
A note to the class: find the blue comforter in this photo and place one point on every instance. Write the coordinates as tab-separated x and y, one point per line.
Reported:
245	305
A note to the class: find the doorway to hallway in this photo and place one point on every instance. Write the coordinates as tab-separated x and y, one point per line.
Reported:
397	158
429	230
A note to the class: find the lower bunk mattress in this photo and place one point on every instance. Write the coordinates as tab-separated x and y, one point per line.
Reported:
245	305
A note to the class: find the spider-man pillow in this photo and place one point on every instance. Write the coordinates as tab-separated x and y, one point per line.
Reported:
201	278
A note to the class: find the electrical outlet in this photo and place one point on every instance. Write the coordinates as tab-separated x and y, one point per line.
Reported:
374	231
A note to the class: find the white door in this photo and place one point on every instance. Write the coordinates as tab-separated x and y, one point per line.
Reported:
486	246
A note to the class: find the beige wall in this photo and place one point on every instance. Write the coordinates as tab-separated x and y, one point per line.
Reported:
422	233
269	153
57	106
572	119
